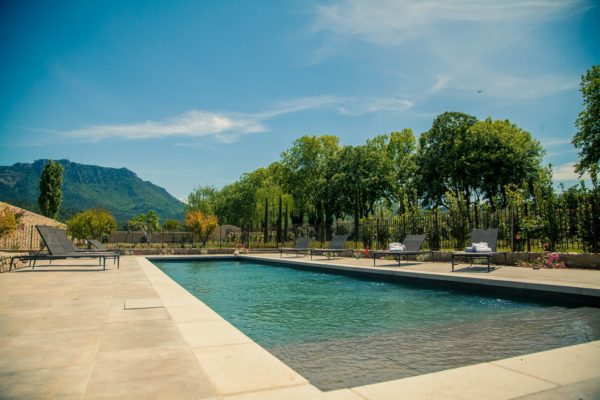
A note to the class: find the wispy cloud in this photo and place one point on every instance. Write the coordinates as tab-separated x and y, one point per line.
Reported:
465	37
391	22
228	127
555	142
565	172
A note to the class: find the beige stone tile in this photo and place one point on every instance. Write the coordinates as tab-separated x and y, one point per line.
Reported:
180	387
49	383
65	322
48	350
579	391
342	394
193	313
118	314
151	302
246	367
140	334
180	301
211	333
150	364
482	381
562	366
302	392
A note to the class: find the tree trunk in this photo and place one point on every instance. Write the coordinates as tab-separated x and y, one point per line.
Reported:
279	218
266	224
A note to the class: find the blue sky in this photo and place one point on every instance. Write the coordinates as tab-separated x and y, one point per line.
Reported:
188	93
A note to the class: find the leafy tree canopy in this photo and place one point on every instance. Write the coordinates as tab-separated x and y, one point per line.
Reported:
149	222
587	138
90	224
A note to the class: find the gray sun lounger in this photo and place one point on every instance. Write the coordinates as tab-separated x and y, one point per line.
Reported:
490	236
98	246
60	247
413	245
337	245
300	247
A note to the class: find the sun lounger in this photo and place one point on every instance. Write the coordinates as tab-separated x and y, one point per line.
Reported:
477	248
60	247
98	246
300	247
337	245
412	246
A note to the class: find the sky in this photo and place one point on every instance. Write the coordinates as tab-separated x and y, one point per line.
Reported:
189	93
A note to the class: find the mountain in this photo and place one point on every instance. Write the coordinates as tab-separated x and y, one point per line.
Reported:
117	190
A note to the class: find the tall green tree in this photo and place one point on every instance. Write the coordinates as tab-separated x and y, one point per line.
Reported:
587	138
51	182
202	199
304	172
498	153
439	158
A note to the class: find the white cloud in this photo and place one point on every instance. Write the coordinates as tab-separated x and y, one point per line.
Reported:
441	83
391	22
555	142
471	39
565	172
190	124
228	127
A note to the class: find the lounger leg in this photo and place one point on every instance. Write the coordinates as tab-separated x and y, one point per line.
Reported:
33	266
452	257
12	259
488	258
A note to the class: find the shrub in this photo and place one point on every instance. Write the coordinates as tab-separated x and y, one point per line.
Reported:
9	221
201	224
93	223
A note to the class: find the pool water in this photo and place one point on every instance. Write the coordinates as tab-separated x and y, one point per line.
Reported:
342	331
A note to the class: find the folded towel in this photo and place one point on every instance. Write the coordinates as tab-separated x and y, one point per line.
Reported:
397	247
481	247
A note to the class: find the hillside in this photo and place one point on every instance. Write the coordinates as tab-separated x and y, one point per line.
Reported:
117	190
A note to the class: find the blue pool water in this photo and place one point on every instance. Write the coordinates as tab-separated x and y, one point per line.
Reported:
341	331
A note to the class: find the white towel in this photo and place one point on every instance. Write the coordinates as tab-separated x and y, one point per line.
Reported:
481	247
397	247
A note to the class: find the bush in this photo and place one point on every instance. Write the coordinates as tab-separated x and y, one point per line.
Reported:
94	223
9	221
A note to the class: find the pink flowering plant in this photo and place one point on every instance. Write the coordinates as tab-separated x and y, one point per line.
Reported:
545	260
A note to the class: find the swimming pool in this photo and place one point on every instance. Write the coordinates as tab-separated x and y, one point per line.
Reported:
343	331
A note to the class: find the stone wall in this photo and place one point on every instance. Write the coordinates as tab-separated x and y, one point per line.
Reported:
26	236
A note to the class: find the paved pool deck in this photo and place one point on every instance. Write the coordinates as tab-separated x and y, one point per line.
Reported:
75	331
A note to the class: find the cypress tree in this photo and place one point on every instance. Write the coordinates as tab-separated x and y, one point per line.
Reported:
51	182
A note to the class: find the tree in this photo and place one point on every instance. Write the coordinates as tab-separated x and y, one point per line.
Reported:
587	138
148	222
93	223
498	154
202	199
51	181
304	175
171	225
438	158
201	224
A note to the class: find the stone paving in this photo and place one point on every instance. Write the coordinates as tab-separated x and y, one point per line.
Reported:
75	331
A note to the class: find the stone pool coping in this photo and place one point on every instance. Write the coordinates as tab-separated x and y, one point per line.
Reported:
73	331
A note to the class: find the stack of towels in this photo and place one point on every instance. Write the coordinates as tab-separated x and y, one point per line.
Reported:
481	247
397	247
